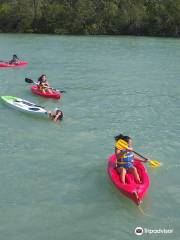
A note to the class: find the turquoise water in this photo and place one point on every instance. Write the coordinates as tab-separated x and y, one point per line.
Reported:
53	178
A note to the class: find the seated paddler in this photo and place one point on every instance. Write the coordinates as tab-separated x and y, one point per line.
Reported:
125	158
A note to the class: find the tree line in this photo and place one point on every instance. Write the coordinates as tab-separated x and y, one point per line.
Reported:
84	17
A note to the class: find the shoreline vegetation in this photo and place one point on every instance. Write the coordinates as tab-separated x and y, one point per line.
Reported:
91	17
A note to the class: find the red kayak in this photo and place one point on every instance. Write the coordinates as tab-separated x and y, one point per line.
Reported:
20	64
54	94
135	191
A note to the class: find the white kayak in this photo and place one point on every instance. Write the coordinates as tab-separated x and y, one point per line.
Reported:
24	106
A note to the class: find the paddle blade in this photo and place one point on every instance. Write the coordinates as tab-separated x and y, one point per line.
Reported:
28	80
121	144
154	163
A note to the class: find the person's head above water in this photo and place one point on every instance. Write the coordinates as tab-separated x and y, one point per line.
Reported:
59	113
123	142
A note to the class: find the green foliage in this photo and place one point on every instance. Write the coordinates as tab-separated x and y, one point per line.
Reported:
116	17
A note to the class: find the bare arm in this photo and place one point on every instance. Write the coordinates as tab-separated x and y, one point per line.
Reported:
50	115
130	147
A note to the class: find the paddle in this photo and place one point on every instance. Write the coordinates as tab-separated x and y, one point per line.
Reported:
28	80
121	144
153	163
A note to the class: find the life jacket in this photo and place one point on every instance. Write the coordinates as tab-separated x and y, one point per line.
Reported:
41	86
126	160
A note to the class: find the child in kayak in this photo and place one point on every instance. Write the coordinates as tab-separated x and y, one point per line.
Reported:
43	84
125	158
15	60
56	115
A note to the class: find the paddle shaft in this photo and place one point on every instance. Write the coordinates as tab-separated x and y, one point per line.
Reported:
28	80
146	160
4	61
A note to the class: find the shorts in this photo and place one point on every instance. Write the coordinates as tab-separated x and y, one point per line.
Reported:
126	166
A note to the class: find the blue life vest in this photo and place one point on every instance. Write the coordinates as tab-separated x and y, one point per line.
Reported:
128	157
126	160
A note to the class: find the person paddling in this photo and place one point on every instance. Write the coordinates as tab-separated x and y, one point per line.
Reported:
43	84
125	158
56	115
15	60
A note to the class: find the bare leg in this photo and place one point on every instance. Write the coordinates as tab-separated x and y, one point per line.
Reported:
50	91
135	174
122	173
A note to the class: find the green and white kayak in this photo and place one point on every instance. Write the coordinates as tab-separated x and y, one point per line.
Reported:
24	106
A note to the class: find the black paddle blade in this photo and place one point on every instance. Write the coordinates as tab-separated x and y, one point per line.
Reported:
62	91
28	80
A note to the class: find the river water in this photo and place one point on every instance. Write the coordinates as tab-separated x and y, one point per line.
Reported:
53	178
